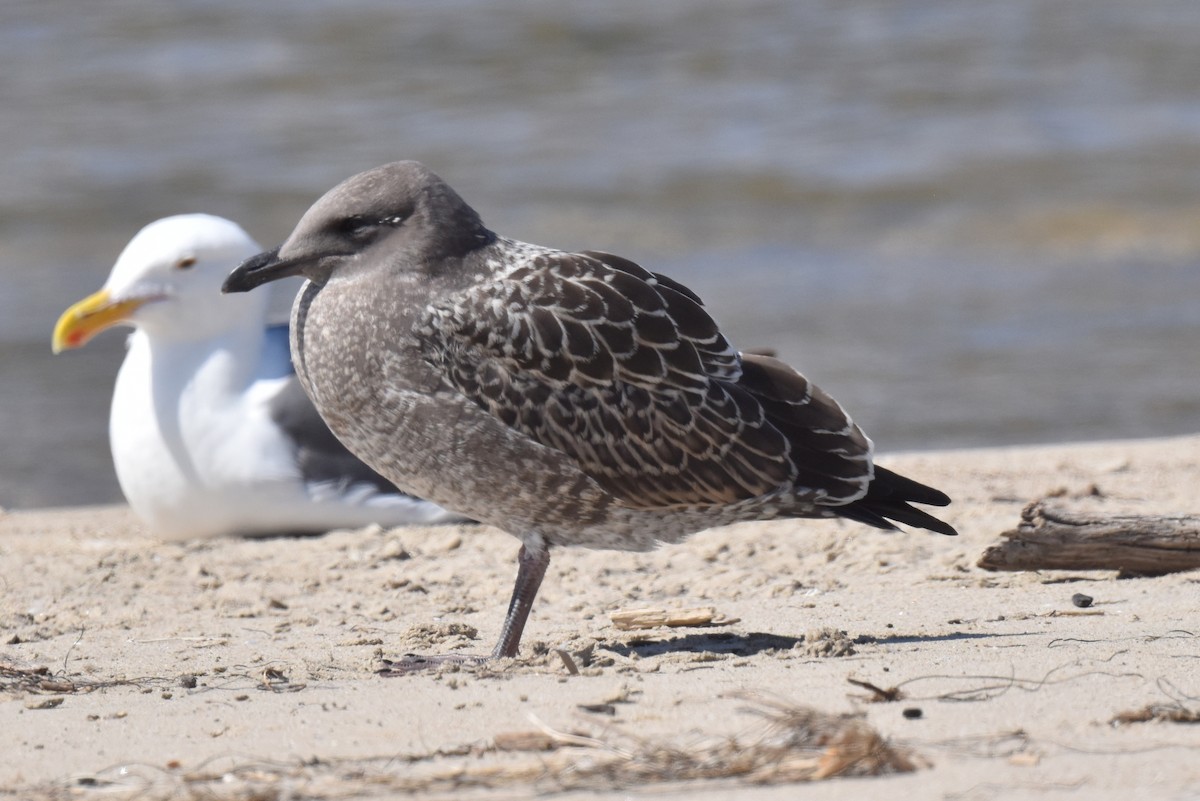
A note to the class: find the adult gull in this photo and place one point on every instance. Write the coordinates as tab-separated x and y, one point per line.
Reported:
211	433
567	398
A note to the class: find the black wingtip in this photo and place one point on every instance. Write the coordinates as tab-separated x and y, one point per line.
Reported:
915	517
888	501
895	485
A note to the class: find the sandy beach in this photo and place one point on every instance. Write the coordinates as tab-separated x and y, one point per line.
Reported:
235	669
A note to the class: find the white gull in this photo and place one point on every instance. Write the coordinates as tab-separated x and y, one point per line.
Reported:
210	432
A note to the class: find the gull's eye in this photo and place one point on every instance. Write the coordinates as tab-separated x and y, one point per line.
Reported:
357	226
185	263
360	227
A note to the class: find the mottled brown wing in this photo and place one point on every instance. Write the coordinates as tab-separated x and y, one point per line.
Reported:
621	369
831	455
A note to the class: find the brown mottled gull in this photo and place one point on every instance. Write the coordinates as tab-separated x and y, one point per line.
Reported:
568	398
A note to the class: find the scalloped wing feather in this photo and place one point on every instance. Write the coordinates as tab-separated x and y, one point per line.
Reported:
626	372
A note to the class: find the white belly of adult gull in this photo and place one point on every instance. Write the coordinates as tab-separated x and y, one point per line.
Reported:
567	398
210	431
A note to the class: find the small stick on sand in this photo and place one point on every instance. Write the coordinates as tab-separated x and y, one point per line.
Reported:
633	619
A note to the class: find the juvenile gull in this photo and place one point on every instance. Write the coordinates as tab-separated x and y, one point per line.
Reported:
210	431
568	398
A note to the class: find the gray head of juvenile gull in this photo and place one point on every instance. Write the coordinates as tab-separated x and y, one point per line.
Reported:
568	398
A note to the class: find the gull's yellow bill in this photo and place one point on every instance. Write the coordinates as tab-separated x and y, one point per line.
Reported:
89	317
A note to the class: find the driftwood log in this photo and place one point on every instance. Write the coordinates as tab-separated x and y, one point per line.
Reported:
1051	537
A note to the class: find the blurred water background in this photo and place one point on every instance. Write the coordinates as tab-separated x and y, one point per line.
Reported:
972	222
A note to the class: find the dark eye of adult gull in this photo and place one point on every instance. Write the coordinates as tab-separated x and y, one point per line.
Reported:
571	399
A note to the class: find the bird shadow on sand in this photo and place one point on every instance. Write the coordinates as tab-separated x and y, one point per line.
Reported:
758	642
954	636
715	643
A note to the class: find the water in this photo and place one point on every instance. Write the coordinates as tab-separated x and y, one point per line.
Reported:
973	222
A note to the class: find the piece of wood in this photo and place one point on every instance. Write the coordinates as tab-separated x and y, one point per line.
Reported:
634	619
1051	537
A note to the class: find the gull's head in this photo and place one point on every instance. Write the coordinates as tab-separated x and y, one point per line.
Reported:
396	216
167	281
